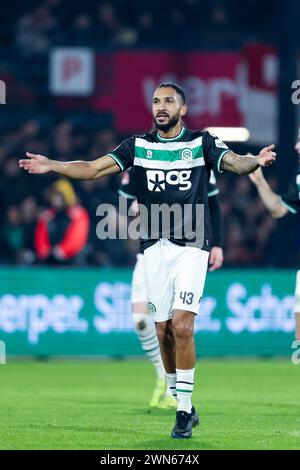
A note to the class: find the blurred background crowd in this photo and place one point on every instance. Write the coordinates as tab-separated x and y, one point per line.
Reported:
33	27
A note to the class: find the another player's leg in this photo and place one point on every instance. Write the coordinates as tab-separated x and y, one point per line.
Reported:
145	329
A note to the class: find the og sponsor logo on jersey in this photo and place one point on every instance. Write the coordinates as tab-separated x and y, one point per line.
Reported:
158	179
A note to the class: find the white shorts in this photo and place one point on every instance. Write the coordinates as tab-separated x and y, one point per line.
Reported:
297	293
175	278
138	284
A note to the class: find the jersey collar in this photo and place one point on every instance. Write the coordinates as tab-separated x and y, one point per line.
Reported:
163	139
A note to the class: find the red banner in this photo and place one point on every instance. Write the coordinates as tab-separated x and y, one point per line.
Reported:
214	83
223	89
262	62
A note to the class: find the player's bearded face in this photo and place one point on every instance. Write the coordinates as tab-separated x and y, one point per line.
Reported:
167	108
164	122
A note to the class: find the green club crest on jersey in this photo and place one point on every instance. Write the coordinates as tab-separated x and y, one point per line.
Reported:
151	307
186	154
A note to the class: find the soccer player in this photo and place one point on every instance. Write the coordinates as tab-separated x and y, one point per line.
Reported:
144	326
172	166
279	206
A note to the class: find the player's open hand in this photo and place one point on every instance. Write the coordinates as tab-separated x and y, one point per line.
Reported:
216	258
266	156
36	164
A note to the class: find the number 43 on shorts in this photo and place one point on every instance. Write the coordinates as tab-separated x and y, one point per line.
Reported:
186	297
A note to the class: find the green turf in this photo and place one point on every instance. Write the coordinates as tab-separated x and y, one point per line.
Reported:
90	405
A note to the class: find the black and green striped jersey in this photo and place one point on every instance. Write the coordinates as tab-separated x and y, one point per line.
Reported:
128	189
172	172
291	198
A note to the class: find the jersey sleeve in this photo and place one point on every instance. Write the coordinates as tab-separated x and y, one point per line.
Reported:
213	190
127	187
124	153
291	198
213	150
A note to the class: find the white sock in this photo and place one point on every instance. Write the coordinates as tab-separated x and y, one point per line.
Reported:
171	378
184	389
145	329
168	392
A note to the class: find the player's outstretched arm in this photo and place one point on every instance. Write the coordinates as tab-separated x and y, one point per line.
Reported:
38	165
245	164
271	200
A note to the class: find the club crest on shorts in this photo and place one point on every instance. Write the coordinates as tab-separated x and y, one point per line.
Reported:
151	307
186	154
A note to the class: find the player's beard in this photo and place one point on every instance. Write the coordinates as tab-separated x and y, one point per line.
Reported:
168	125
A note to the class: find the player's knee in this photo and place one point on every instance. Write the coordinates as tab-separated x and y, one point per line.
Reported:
140	321
183	329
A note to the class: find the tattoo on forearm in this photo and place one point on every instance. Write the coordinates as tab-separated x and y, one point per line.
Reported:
241	164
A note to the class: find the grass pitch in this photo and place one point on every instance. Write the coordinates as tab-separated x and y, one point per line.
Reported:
103	405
